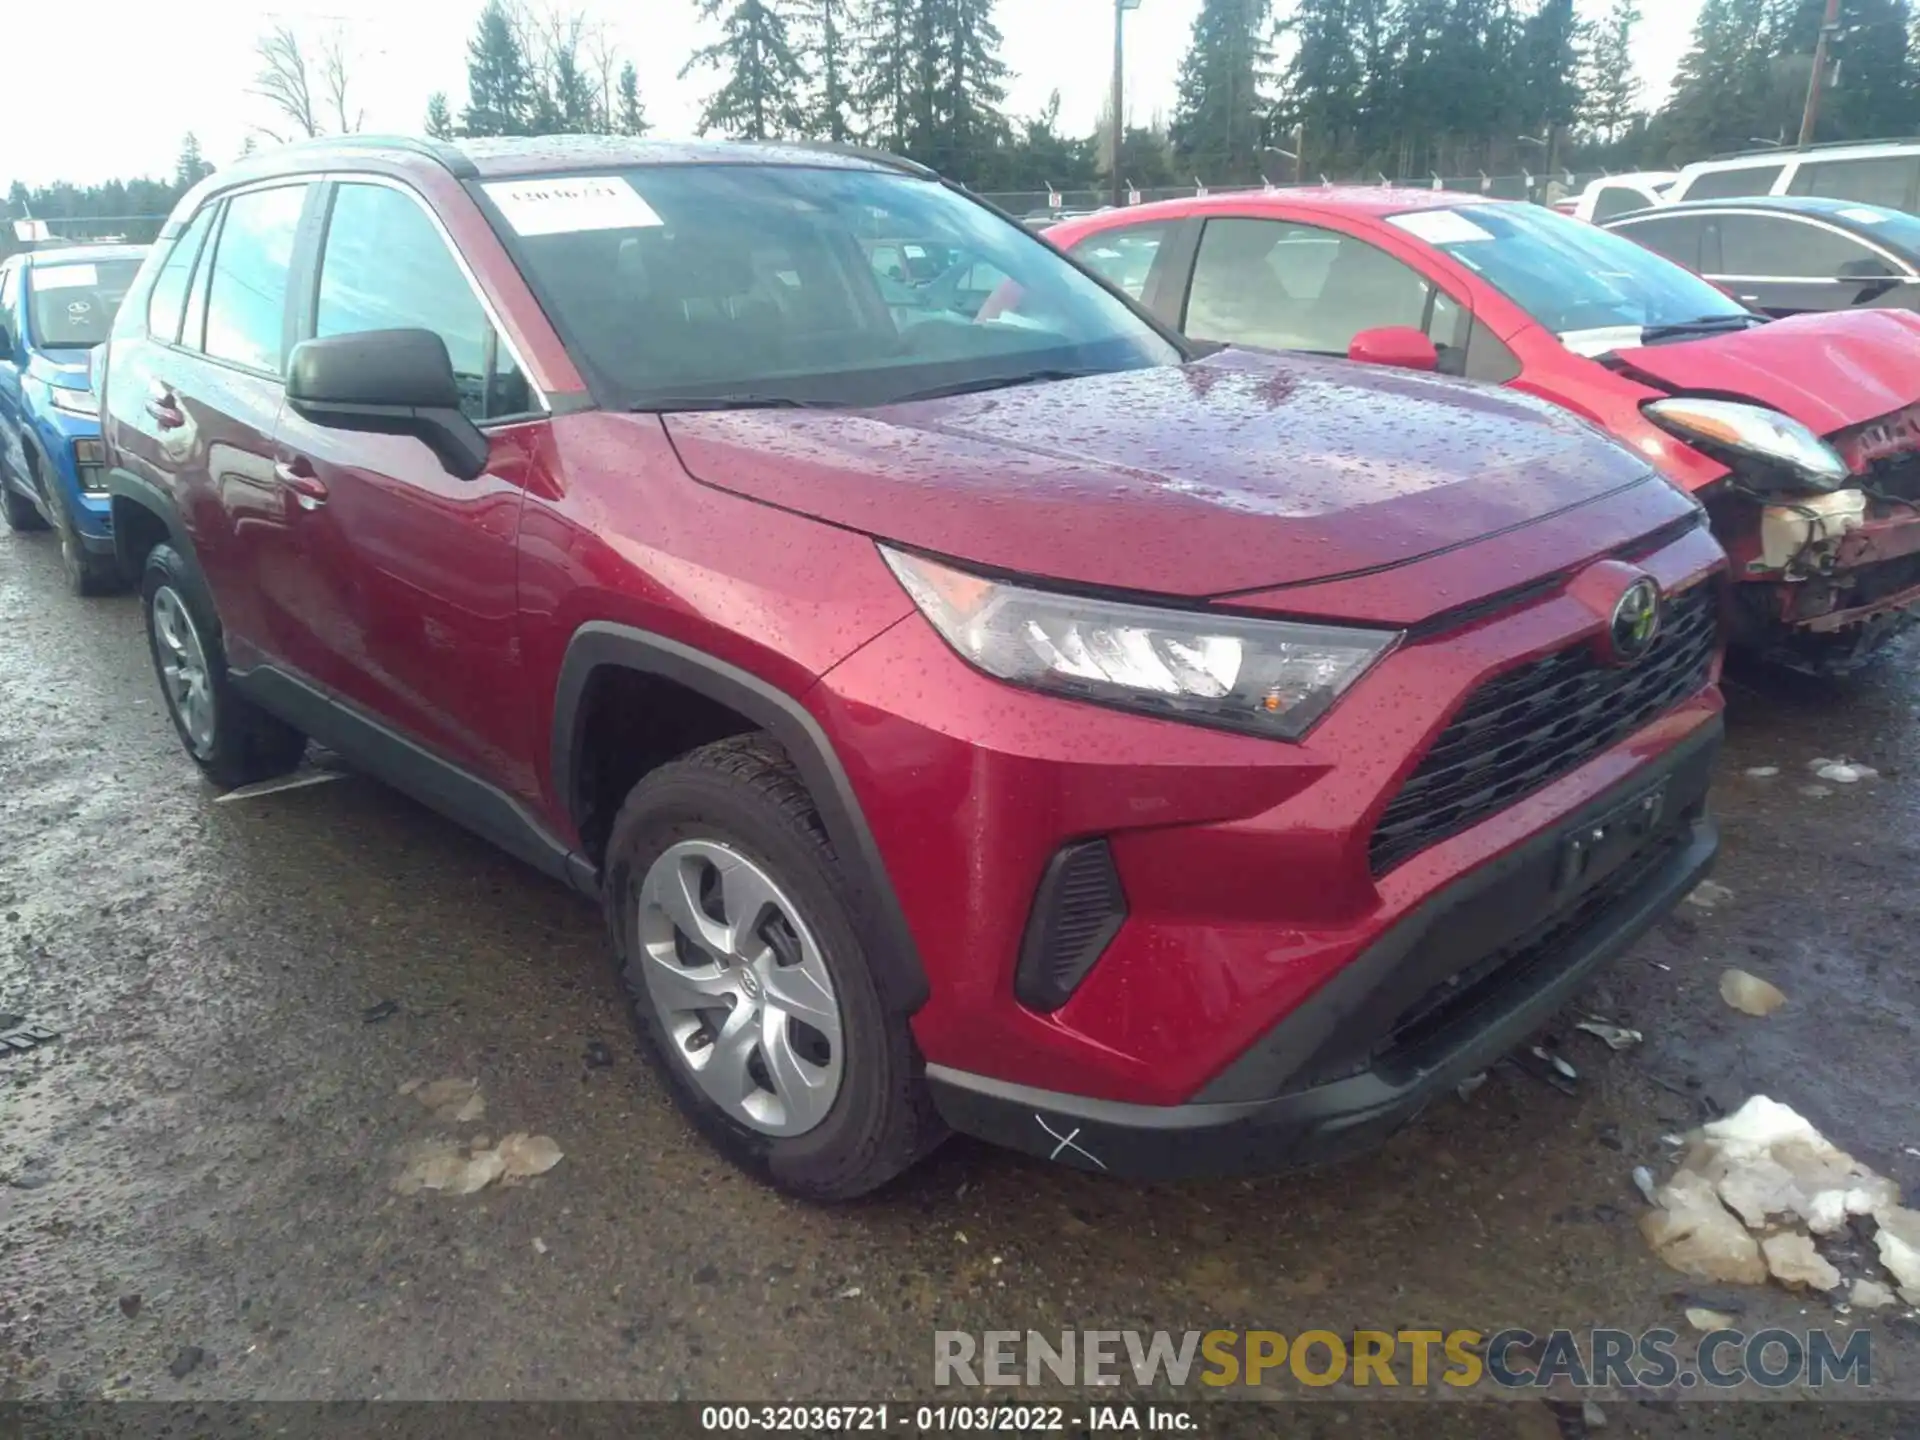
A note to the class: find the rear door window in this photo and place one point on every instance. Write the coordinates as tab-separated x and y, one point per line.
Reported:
1733	183
1889	180
168	302
386	267
1675	236
247	295
1758	247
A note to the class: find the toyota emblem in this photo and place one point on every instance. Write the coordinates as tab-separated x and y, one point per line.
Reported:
1636	620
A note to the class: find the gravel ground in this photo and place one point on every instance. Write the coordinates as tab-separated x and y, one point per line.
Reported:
201	1167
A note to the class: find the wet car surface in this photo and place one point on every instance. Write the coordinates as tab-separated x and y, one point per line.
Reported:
241	991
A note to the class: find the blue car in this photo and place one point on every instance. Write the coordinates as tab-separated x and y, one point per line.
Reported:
55	307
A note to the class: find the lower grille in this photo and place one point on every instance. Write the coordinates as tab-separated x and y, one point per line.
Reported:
1526	728
1429	1017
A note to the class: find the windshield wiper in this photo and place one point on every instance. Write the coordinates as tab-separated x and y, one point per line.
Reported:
671	404
993	382
1705	325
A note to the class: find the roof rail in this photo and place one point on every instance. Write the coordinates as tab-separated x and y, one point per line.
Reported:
448	156
1784	149
862	152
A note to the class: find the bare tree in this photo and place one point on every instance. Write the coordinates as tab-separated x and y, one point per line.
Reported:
333	71
284	82
605	60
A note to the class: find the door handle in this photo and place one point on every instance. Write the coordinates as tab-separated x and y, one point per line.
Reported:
164	406
309	490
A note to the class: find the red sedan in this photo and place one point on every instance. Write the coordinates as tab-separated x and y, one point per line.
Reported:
1801	436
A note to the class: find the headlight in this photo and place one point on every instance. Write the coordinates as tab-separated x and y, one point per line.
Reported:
75	402
1266	677
1755	431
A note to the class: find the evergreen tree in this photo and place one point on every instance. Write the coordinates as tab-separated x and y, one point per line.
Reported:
884	57
1722	93
1550	59
970	125
1219	126
824	51
439	118
569	105
630	116
190	168
760	98
1611	87
1323	90
501	93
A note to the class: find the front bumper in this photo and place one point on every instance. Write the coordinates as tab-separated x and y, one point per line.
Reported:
1455	985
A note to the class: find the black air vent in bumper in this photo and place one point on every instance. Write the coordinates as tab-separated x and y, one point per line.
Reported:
1077	911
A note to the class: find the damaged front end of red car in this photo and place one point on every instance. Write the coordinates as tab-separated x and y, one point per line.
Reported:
1817	425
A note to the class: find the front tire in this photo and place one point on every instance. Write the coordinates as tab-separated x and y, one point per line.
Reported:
20	511
733	933
86	573
229	737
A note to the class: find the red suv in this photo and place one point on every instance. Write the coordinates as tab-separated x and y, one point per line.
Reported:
974	708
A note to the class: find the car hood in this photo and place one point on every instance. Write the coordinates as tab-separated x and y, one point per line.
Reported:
1239	472
1829	372
72	371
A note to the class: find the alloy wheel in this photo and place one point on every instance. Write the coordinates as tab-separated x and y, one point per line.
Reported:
740	988
183	669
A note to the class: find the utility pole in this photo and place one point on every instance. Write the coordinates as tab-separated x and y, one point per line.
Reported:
1118	184
1811	114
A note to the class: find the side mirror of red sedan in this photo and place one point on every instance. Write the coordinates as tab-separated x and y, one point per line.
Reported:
1400	345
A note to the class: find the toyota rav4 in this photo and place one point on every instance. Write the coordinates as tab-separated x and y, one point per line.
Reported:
974	708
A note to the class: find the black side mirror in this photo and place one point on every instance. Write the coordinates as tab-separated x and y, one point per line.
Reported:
390	382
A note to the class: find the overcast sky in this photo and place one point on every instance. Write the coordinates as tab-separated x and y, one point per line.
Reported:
106	88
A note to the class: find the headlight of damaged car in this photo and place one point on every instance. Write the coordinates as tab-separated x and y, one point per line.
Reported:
75	402
1266	677
1756	432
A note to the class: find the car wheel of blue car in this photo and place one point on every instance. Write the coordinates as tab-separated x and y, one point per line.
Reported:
20	511
87	573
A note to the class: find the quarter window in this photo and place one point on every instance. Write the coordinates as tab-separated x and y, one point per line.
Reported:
1763	246
169	299
1732	184
1283	286
1615	200
1675	236
247	297
386	267
1889	180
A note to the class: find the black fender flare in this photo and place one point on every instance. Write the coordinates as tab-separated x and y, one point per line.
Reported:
883	924
126	488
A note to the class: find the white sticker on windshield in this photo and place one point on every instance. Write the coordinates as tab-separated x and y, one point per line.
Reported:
570	203
1860	215
1439	227
66	277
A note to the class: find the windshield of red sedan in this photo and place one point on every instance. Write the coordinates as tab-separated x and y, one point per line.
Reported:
696	286
1594	289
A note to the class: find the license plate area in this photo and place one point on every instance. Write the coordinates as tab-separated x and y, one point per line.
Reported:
1594	850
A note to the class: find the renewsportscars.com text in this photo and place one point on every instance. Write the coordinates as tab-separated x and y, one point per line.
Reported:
1511	1359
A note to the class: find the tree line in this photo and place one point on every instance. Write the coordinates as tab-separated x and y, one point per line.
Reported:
1274	89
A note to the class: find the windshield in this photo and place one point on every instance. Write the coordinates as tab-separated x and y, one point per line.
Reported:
72	304
747	285
1576	279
